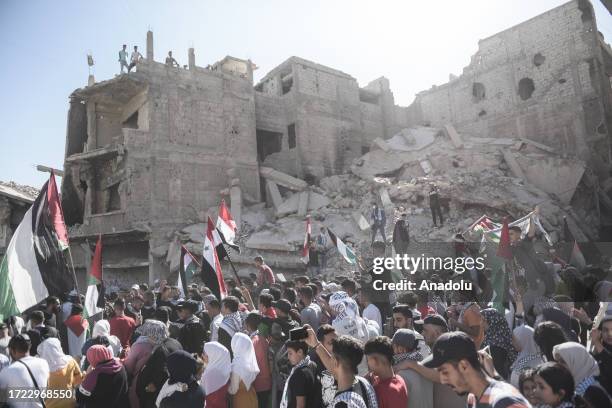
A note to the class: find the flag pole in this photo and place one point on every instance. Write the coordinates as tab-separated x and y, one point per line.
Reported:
232	265
191	255
76	285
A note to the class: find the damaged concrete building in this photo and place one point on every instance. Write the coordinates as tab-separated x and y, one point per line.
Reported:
149	154
15	200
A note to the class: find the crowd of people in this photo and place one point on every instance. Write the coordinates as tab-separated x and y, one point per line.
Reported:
312	342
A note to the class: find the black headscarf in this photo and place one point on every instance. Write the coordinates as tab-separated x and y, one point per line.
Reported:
181	367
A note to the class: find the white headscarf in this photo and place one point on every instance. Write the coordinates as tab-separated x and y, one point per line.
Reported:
579	361
101	328
245	362
530	355
50	350
217	371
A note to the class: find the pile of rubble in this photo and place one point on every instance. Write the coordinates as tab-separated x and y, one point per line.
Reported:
494	176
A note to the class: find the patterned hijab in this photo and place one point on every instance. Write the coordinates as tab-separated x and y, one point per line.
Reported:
498	332
153	330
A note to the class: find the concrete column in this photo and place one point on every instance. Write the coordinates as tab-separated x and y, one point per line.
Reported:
303	203
150	45
236	204
191	58
91	126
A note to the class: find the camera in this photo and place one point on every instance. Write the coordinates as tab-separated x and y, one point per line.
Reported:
298	334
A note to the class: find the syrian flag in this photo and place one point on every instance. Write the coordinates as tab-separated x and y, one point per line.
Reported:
503	249
306	246
34	266
345	251
212	276
188	269
226	224
94	298
225	232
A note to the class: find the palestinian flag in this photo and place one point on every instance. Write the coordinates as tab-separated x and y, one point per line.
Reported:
345	251
212	276
94	298
34	266
188	269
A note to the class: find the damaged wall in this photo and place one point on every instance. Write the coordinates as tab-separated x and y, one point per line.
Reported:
543	79
325	119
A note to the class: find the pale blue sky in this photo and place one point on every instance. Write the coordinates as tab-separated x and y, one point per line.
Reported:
44	44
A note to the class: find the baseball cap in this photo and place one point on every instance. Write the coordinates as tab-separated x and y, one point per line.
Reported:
283	305
188	304
405	338
436	320
452	346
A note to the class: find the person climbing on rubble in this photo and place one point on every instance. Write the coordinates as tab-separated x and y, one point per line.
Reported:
135	58
434	204
379	219
321	245
170	61
123	54
401	236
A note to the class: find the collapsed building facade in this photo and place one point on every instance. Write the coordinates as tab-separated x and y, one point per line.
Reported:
149	154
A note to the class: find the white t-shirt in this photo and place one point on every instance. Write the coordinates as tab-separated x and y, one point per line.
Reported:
214	327
16	376
371	312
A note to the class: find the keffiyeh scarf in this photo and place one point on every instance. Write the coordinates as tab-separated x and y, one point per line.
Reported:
355	400
285	400
232	323
584	385
412	356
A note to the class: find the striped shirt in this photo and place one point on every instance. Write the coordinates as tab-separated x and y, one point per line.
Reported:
498	394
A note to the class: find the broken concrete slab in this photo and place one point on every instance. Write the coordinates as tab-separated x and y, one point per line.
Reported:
273	194
282	179
303	197
426	166
413	139
384	198
454	136
513	164
361	221
291	205
552	174
539	145
381	144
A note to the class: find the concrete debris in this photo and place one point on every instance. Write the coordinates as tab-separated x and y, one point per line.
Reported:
454	136
380	143
314	202
413	139
539	145
303	203
513	164
274	194
282	179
